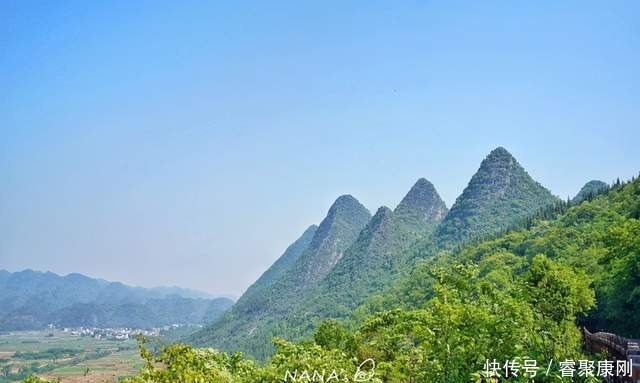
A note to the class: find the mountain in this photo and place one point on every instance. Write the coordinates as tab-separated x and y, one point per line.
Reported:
284	263
589	190
422	206
250	323
254	294
252	301
327	282
500	194
182	292
32	300
380	254
344	221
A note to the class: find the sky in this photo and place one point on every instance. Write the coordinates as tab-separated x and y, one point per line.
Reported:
189	142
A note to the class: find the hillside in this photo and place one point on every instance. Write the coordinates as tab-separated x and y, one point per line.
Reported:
249	323
32	300
282	264
598	238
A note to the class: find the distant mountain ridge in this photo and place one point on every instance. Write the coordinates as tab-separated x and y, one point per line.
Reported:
32	300
589	190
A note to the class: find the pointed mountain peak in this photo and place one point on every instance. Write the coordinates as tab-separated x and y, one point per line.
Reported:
420	188
500	194
383	214
379	226
500	170
423	203
589	190
345	201
499	157
499	152
345	210
383	211
339	229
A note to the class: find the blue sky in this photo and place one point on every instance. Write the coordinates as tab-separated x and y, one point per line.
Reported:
187	143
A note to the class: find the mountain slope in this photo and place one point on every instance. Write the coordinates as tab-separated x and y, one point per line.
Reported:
32	300
344	221
249	326
252	300
500	194
284	263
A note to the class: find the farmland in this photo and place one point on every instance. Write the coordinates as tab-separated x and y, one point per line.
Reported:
71	358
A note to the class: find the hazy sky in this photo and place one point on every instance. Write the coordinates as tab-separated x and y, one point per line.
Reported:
188	143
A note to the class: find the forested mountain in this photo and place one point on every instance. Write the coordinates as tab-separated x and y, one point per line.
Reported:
526	292
589	190
336	232
249	323
381	253
422	208
500	194
32	300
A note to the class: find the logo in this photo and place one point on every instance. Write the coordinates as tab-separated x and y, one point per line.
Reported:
366	370
364	373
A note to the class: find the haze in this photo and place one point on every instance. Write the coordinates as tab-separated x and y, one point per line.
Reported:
188	143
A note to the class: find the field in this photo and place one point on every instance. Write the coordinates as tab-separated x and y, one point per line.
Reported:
71	358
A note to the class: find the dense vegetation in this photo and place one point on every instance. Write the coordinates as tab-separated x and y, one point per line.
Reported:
32	300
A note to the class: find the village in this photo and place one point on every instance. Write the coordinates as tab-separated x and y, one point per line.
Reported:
119	333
